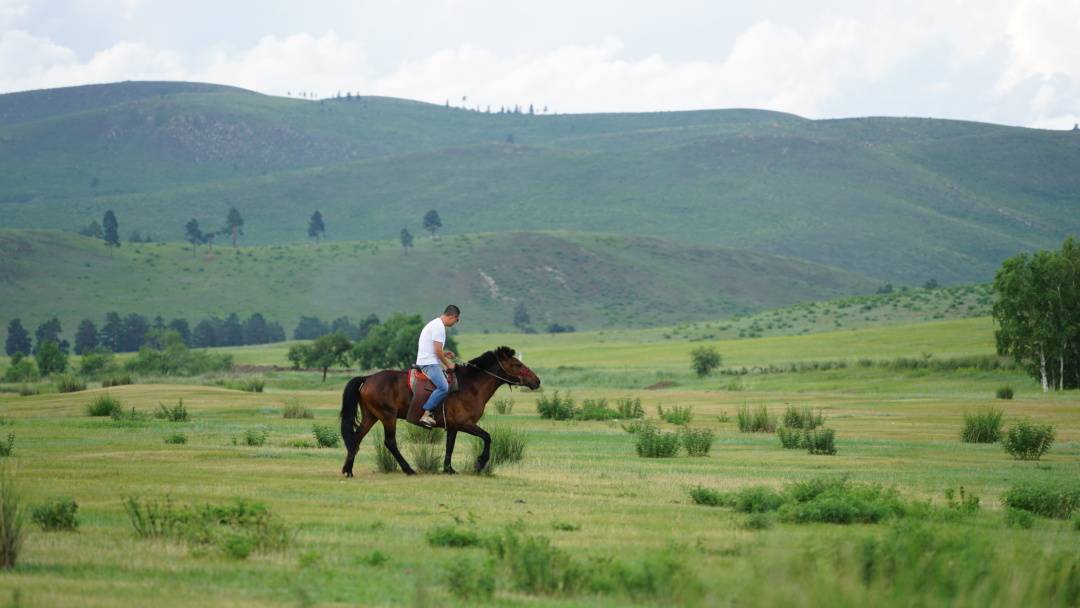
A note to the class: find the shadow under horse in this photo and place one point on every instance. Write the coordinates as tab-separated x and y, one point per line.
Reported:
385	397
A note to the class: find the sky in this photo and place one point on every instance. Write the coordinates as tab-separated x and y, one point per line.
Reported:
1014	63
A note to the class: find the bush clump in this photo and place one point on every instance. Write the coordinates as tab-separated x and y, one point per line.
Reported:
790	439
1027	440
127	416
12	518
654	443
117	380
704	360
1017	518
7	447
175	413
555	407
507	445
69	383
710	498
1046	498
295	410
983	427
821	500
820	441
629	408
452	535
675	415
471	579
326	436
252	437
103	405
177	438
757	421
504	406
595	409
59	514
802	418
236	529
1005	392
696	442
22	369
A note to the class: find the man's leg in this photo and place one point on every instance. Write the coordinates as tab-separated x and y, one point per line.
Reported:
438	378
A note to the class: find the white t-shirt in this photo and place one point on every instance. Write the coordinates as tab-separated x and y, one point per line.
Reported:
433	332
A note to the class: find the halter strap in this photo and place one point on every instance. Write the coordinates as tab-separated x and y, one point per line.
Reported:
494	375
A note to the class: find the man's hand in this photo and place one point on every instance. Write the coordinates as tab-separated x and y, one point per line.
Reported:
449	354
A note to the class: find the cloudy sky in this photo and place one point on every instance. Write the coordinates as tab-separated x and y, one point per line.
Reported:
1007	62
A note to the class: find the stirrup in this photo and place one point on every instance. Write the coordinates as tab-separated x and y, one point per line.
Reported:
427	420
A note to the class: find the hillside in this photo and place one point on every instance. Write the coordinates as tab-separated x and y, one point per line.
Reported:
585	280
902	200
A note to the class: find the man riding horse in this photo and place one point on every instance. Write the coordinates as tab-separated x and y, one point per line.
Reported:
431	359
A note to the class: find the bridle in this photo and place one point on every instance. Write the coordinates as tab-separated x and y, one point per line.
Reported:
512	383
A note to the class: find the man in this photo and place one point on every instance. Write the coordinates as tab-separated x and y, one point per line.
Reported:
431	359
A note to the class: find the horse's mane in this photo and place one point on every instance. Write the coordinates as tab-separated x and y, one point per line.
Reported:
491	357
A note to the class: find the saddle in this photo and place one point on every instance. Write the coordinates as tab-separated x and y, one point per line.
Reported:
422	387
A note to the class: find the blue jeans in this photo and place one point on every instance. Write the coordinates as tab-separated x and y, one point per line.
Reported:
436	375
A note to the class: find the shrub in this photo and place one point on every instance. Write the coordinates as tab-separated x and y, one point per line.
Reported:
326	436
1029	441
595	409
384	460
96	362
507	445
535	566
654	443
710	498
103	405
554	407
838	501
294	410
984	427
68	383
253	437
636	426
696	442
675	415
564	526
756	499
7	447
254	384
802	418
758	521
1046	498
56	515
757	421
117	380
962	502
470	579
819	441
629	408
1016	518
23	370
451	535
177	438
29	389
173	358
1005	392
236	529
176	413
504	405
790	439
704	360
12	517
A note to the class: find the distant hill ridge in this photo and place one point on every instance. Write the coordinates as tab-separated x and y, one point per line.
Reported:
896	199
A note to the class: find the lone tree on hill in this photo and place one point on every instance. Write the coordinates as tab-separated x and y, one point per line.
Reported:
234	224
316	228
1037	315
18	339
406	240
432	222
328	351
704	360
193	235
111	231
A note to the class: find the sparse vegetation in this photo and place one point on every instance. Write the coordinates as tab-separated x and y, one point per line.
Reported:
12	520
295	410
7	446
59	514
176	438
758	420
236	530
253	437
675	414
175	413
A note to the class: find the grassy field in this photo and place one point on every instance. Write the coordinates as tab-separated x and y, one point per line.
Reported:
580	485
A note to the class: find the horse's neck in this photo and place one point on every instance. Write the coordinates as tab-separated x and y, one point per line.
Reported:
485	386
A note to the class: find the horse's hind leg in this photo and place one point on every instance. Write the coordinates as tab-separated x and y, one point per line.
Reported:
390	440
366	422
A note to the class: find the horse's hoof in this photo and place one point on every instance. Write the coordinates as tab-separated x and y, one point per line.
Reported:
449	471
409	472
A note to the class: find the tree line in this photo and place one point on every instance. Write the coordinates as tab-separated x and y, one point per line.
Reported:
1038	314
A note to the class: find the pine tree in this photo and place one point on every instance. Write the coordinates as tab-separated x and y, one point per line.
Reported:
193	235
86	337
49	331
233	331
18	339
112	332
111	231
316	227
234	224
432	222
406	240
181	327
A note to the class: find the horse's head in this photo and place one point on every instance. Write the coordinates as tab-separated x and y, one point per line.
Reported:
515	369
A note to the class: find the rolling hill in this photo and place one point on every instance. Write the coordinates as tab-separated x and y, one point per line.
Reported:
897	199
587	280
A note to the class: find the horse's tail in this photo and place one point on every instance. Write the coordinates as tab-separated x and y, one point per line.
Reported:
350	403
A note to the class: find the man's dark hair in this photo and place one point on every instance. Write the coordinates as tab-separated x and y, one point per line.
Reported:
452	310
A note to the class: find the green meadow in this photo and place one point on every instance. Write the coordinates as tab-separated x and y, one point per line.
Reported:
627	522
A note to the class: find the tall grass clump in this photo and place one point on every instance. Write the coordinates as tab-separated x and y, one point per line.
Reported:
820	441
27	390
629	408
119	379
595	409
472	580
384	460
68	383
983	427
295	410
176	438
252	384
1046	498
174	413
696	442
802	418
790	439
756	421
536	566
1027	440
326	435
103	405
708	497
12	519
425	448
252	437
507	444
675	414
7	447
1005	392
654	443
59	514
236	530
452	535
555	407
504	405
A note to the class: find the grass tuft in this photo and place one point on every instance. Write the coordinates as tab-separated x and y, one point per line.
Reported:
757	421
103	405
176	413
12	519
295	410
59	514
983	427
675	414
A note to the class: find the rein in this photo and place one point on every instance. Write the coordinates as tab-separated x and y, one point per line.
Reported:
494	375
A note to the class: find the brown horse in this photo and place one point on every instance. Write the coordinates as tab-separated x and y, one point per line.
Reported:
384	396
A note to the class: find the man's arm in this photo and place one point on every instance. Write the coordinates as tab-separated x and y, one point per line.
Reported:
443	355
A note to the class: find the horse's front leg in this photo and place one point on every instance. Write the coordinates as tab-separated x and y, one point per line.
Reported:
476	431
451	437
